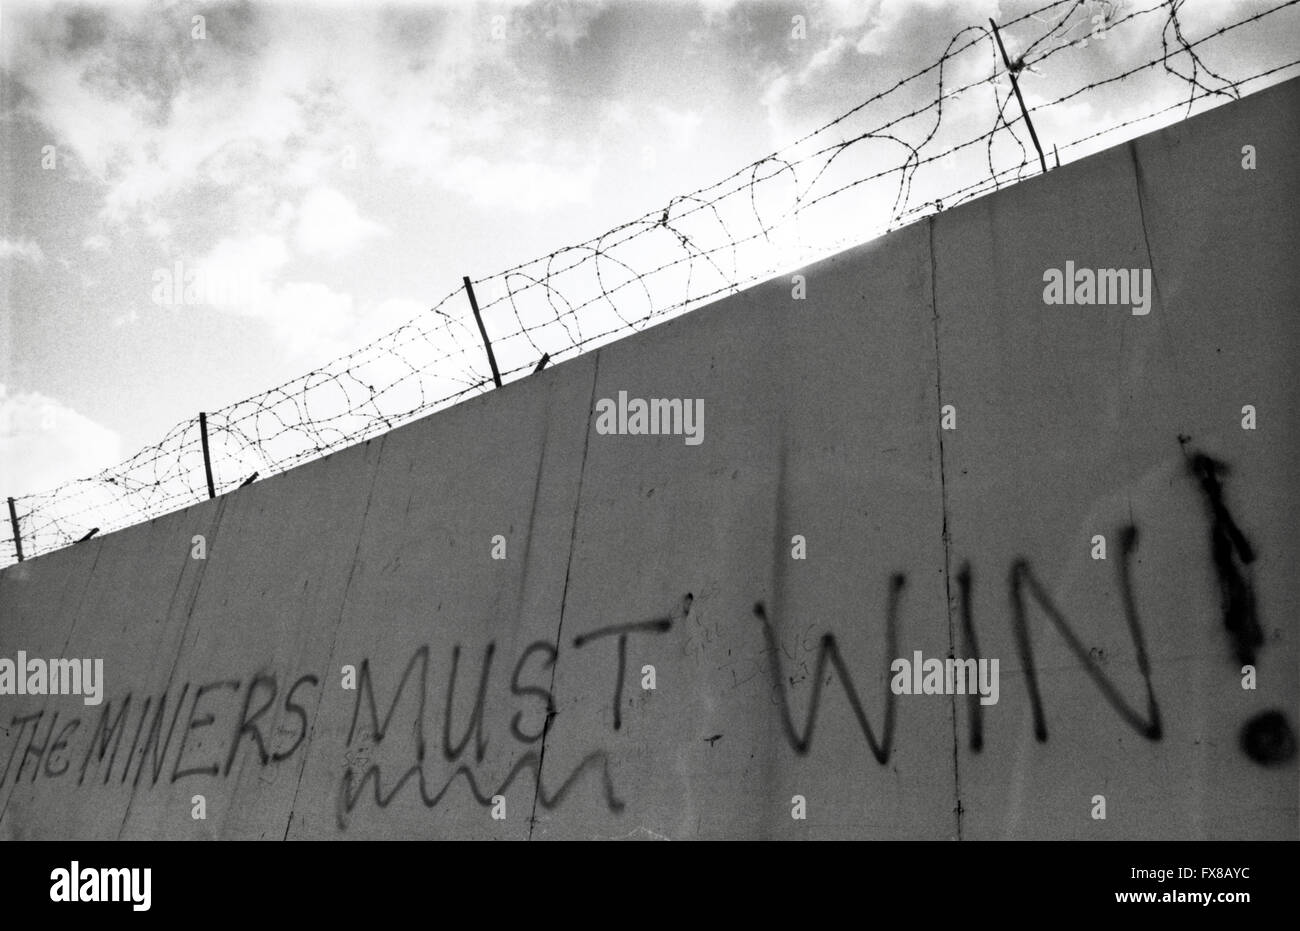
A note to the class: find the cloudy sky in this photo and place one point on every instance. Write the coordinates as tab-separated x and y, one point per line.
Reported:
345	165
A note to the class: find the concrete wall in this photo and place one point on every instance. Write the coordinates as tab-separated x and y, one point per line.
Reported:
822	419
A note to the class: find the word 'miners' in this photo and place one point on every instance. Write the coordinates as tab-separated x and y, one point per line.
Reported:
125	734
1102	286
655	417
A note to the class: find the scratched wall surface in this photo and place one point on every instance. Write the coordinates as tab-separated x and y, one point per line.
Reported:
523	677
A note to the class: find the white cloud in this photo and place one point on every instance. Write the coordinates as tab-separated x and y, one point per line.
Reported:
681	125
262	98
523	184
825	58
24	250
569	21
239	273
309	320
44	443
330	225
315	323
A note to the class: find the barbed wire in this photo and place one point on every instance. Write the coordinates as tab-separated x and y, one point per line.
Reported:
886	162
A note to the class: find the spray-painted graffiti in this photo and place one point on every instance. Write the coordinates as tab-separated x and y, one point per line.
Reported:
828	651
355	779
213	728
1022	581
147	741
1266	738
233	708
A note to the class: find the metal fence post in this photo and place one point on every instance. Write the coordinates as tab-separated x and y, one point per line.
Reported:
207	460
13	522
473	303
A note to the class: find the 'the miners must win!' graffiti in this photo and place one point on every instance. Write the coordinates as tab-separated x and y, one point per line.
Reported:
142	740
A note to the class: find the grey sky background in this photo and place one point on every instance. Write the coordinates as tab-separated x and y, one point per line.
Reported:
352	162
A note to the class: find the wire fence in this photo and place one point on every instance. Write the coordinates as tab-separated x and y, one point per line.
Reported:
942	135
